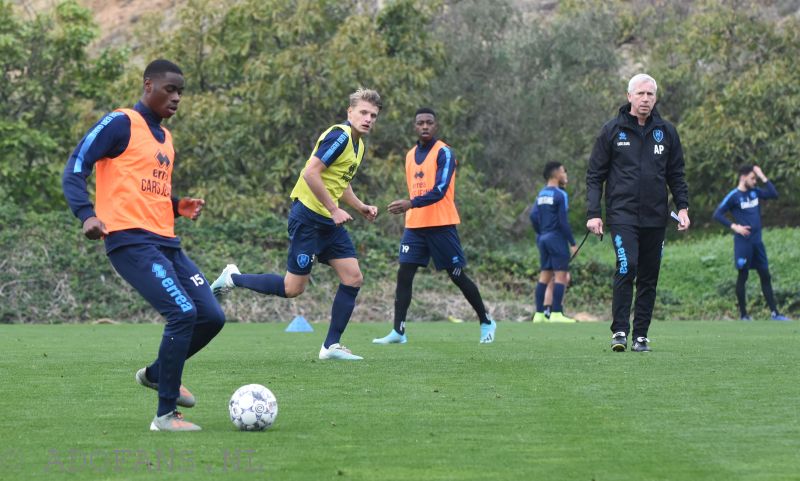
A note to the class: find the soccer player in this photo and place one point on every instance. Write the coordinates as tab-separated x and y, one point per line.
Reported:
554	240
635	158
430	226
135	215
748	249
316	222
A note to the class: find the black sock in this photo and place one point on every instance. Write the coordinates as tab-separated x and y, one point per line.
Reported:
766	288
402	295
470	291
741	283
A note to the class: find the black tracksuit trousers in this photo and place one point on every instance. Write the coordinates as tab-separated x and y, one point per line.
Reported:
638	251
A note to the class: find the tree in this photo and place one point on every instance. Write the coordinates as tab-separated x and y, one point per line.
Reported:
48	77
735	87
266	77
525	90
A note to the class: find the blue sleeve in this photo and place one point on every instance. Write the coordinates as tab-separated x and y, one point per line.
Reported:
108	138
769	191
445	168
331	146
722	209
535	216
563	218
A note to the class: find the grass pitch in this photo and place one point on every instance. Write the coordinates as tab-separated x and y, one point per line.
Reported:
715	400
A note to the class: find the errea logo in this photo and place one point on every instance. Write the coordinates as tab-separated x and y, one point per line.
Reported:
163	159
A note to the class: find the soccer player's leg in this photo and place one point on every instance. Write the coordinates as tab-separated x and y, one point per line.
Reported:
560	264
300	260
761	264
338	251
210	317
651	247
446	251
545	278
412	254
151	273
742	253
625	241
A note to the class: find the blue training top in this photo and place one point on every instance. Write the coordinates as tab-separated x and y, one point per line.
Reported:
745	208
109	137
549	214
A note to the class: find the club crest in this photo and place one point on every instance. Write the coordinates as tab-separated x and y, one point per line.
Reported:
303	260
658	135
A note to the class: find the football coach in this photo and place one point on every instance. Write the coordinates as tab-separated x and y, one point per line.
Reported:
635	158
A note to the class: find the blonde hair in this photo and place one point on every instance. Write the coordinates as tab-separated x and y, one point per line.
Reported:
367	95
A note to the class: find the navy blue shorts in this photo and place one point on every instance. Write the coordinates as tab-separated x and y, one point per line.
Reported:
170	282
311	243
442	243
553	252
749	254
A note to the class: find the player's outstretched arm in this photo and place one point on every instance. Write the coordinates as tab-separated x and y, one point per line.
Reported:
369	212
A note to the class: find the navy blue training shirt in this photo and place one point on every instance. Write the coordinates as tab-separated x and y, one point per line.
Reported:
745	208
109	137
549	213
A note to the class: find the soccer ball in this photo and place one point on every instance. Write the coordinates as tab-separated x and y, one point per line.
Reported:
253	408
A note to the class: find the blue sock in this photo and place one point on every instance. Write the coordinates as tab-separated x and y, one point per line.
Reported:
558	296
343	305
271	284
540	290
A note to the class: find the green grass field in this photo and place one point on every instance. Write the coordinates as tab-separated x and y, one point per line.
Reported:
715	400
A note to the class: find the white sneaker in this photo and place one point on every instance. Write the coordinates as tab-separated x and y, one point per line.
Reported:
224	283
392	338
337	351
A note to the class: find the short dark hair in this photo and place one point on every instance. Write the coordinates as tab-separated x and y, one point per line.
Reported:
160	67
550	168
425	110
745	169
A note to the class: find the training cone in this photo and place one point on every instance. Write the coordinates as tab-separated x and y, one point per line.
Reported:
299	324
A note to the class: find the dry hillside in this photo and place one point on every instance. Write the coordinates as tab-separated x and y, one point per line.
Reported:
116	18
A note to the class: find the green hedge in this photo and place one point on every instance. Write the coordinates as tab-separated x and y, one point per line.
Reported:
50	273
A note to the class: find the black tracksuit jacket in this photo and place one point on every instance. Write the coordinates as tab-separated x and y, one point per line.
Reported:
636	164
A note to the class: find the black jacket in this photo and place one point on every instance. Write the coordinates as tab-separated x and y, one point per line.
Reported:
636	164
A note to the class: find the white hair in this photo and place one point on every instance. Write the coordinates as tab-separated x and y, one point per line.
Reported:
639	78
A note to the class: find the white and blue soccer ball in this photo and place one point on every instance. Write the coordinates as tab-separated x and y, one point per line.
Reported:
253	407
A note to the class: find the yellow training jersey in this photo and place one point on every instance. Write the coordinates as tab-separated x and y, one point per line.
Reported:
336	177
